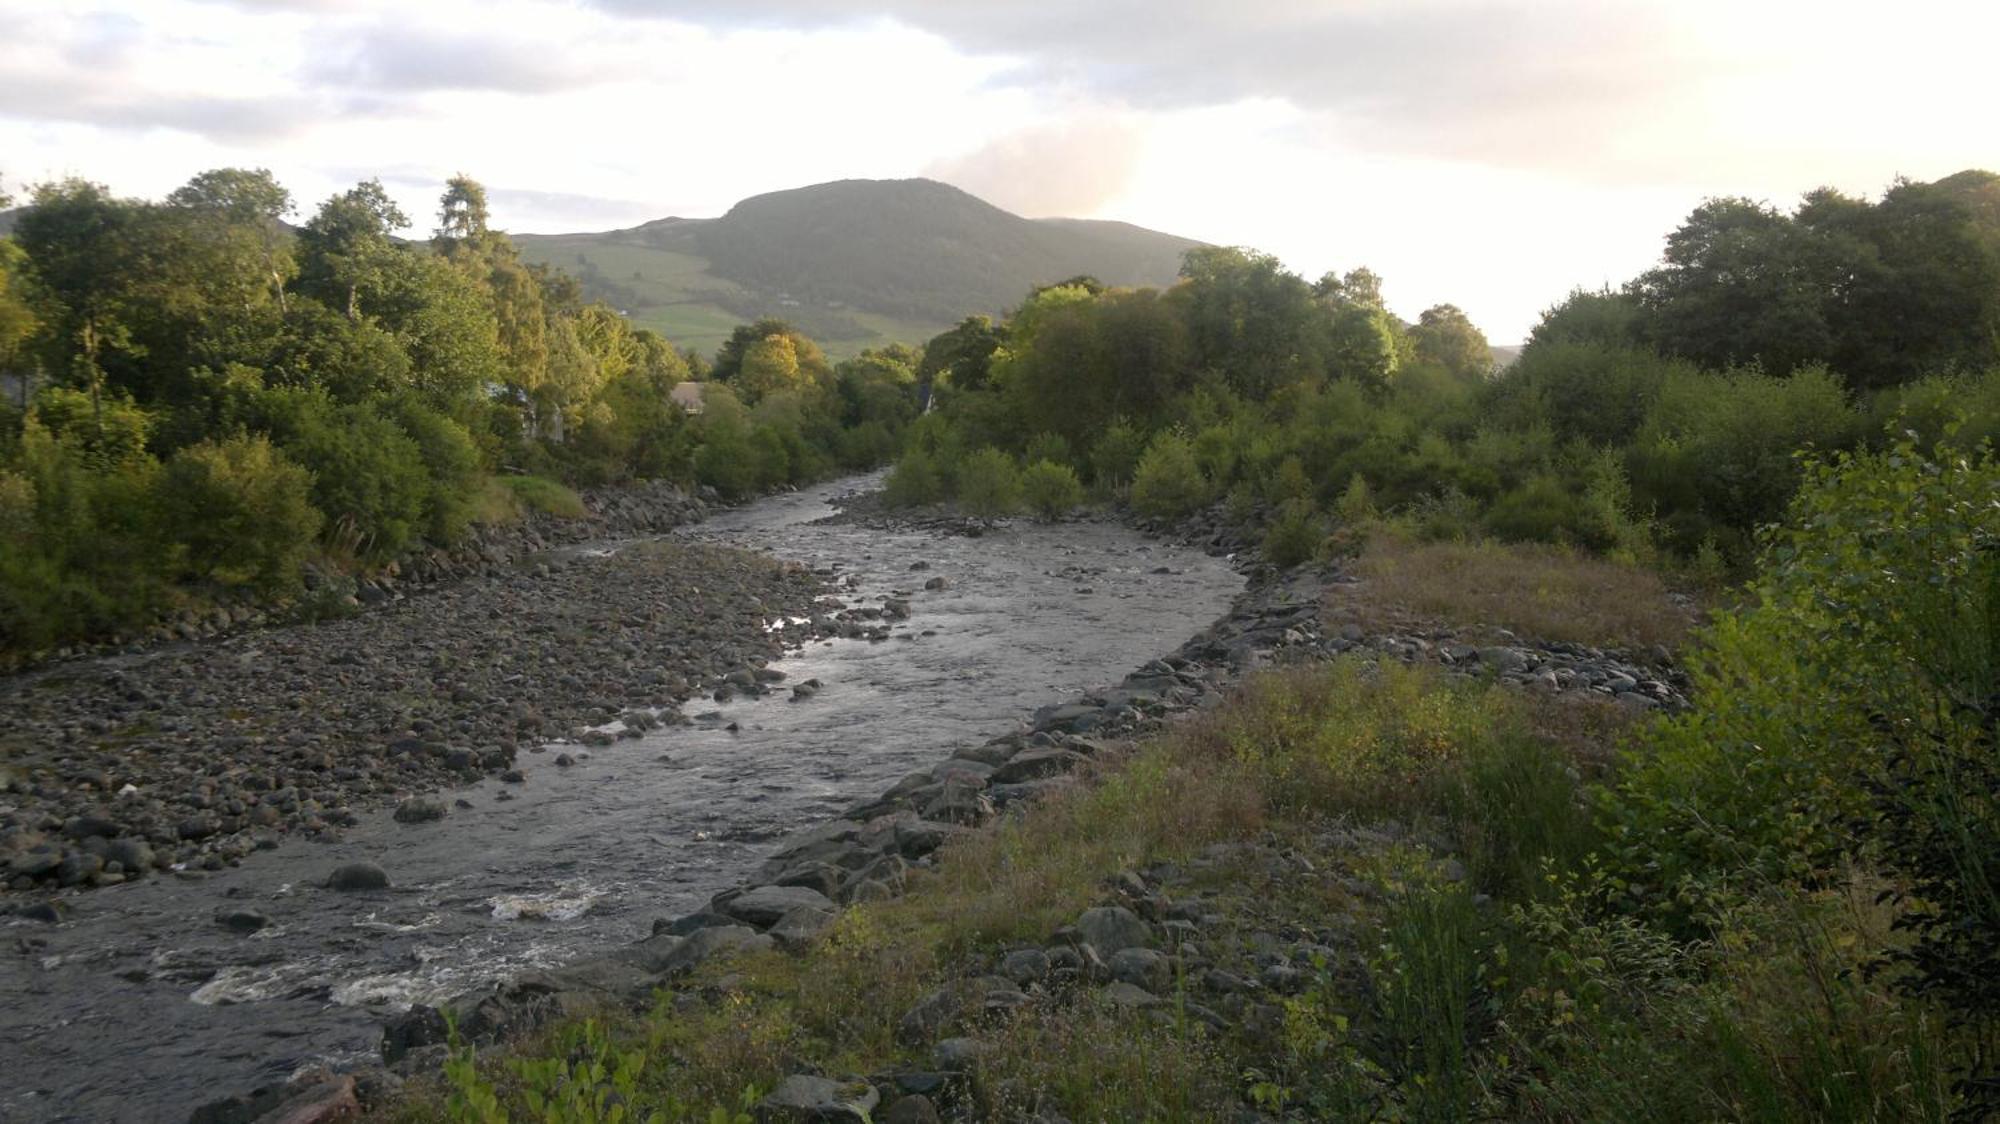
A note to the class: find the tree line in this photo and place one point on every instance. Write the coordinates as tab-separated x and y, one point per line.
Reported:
1659	421
205	397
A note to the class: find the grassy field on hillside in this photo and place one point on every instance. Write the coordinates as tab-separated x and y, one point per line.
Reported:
676	295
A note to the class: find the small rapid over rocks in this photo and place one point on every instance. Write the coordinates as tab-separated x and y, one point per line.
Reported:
148	998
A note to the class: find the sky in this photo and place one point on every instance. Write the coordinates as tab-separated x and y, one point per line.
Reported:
1494	154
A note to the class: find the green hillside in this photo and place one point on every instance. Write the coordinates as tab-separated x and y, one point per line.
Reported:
854	264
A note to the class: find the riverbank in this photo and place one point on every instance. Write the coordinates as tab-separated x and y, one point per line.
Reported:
148	997
192	756
1354	887
333	590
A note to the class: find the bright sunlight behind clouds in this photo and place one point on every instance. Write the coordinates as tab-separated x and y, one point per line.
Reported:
1489	154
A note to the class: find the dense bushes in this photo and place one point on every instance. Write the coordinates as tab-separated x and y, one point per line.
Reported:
243	512
1050	489
389	380
1168	483
989	485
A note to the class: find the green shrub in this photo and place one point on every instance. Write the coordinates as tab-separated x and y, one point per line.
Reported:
452	462
1861	666
1051	490
914	482
1052	447
241	512
544	496
1116	455
989	485
369	480
726	461
1294	536
1168	483
111	431
92	560
1545	509
1356	505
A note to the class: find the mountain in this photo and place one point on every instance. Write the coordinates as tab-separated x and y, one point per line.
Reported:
853	263
7	221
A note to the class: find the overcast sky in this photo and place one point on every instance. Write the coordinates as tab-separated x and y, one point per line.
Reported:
1490	154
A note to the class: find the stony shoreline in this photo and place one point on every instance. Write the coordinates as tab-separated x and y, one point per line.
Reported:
626	511
193	756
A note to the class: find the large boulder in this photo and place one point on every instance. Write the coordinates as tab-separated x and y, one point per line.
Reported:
1111	928
668	955
420	809
765	906
802	1097
1034	764
358	876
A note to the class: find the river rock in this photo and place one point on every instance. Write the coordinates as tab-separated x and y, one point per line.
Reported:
668	955
800	927
358	876
134	855
803	1097
241	920
1141	966
912	1109
766	905
1110	928
420	809
1034	764
326	1103
1130	996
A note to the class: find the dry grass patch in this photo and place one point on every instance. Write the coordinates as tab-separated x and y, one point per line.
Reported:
1534	590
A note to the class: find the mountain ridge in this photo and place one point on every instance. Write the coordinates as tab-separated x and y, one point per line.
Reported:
856	262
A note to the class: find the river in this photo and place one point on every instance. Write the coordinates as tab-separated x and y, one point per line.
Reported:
141	1007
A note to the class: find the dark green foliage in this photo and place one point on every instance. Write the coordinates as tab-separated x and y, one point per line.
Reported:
242	511
989	485
382	381
1115	454
915	481
1294	536
369	479
1168	483
1050	490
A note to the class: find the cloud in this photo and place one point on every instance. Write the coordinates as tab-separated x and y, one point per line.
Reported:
109	104
402	59
537	208
1628	91
1070	168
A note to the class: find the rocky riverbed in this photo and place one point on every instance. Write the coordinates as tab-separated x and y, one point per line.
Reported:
145	997
193	756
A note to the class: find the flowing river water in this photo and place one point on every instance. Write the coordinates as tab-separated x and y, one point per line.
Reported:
141	1007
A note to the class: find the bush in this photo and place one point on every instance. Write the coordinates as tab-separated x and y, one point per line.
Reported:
452	462
1871	640
914	482
1545	510
726	461
241	512
1052	447
545	496
989	486
1116	455
1168	483
1357	505
1051	490
369	480
1293	537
